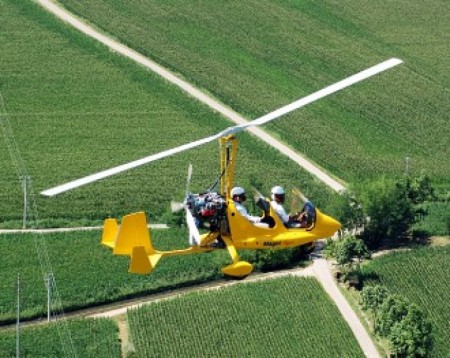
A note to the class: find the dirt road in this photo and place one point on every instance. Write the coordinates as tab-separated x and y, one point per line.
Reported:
191	90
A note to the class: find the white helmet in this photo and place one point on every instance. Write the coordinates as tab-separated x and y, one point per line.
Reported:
237	190
277	190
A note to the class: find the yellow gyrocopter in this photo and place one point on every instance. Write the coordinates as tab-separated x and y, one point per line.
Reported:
216	209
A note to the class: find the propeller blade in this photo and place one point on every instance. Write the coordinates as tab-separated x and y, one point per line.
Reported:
383	66
297	193
188	180
194	234
176	206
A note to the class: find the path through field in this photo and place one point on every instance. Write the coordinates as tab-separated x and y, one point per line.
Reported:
191	90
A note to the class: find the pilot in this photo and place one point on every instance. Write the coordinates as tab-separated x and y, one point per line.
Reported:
278	196
238	196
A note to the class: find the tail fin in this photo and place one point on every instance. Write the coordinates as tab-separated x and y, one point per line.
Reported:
133	232
110	228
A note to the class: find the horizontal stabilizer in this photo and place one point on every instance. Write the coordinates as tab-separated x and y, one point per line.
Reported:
141	263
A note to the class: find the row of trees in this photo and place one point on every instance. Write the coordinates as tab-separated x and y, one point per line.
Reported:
402	323
382	214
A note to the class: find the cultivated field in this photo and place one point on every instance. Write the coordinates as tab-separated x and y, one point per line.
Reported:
70	107
421	275
289	317
259	55
88	274
74	338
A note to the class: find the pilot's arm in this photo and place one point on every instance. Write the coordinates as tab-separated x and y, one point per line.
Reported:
243	211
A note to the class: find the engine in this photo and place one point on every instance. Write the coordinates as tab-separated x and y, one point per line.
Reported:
208	209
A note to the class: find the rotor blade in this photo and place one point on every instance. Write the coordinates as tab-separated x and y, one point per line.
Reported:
124	167
230	130
383	66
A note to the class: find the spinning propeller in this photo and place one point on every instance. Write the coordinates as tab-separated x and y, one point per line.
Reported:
383	66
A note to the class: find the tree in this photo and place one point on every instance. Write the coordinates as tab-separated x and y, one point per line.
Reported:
393	309
411	337
389	213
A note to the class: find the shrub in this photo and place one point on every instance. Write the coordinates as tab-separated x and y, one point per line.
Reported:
372	297
411	337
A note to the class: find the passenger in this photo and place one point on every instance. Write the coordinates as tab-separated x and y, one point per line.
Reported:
291	221
238	196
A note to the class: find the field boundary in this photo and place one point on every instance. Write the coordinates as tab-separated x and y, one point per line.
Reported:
214	104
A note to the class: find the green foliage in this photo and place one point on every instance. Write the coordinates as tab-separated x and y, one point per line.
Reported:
389	211
372	297
268	260
346	249
402	323
393	309
287	317
347	210
349	248
64	338
411	336
421	276
419	189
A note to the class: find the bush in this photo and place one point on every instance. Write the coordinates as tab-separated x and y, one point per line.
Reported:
411	337
402	323
372	297
268	260
393	309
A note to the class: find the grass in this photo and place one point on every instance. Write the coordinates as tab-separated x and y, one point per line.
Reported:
289	317
258	56
421	275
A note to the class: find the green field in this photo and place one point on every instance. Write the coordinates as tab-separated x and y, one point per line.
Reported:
88	274
71	107
259	55
73	338
422	276
289	317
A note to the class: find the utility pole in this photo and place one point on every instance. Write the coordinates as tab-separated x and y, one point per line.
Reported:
25	179
18	318
49	279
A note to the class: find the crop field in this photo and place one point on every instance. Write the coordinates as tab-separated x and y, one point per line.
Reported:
421	275
73	338
88	274
259	55
289	317
69	107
